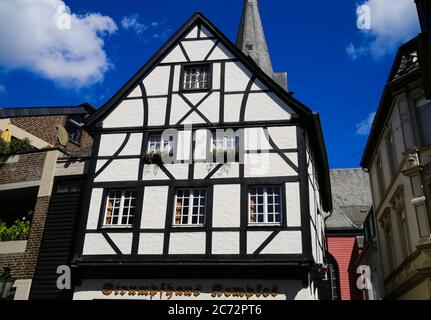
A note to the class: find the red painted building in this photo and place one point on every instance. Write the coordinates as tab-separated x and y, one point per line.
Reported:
344	230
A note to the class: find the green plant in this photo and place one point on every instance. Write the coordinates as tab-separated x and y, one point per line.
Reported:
14	147
18	231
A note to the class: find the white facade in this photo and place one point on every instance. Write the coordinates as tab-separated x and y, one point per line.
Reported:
274	152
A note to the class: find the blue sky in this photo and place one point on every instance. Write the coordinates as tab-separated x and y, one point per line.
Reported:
334	68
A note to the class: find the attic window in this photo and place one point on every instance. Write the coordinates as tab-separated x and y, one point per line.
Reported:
74	127
196	77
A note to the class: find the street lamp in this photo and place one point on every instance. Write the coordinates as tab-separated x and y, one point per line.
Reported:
6	282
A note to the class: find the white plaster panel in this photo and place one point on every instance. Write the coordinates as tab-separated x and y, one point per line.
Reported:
179	109
179	171
232	107
123	241
205	33
110	143
266	107
293	203
96	244
284	137
255	139
137	92
229	170
195	97
220	53
193	118
153	172
227	206
225	243
198	50
157	82
184	145
216	76
151	243
286	242
255	240
267	165
192	34
176	55
156	111
210	107
129	113
94	210
118	170
201	144
237	77
187	243
177	73
154	207
258	85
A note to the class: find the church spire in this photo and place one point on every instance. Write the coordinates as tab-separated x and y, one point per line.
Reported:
251	38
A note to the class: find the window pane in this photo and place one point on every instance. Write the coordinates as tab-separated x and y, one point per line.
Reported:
196	77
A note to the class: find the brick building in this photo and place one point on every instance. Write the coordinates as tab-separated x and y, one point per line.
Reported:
27	179
344	230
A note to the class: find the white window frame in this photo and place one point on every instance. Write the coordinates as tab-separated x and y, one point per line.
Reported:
265	206
192	82
223	144
191	206
165	145
121	208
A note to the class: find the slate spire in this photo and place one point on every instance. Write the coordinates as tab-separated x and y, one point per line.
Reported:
251	37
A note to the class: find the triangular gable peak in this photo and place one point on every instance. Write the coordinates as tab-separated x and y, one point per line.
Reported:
154	96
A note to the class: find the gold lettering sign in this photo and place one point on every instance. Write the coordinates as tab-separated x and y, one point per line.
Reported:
169	291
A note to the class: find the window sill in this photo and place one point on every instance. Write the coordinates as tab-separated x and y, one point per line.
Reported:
18	246
259	225
194	90
189	226
115	228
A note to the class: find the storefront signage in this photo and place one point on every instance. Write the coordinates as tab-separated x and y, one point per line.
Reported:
168	291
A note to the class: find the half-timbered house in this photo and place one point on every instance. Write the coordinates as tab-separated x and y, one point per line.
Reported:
208	179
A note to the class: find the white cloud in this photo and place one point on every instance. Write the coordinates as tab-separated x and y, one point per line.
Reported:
363	128
37	36
393	22
2	89
132	23
144	30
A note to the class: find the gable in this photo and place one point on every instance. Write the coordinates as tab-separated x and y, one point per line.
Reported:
153	96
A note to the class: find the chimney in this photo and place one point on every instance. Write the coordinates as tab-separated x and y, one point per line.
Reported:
424	12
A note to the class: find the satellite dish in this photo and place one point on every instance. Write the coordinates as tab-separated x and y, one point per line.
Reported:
62	136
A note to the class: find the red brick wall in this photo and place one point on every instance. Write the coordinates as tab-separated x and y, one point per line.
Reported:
346	252
23	264
28	168
45	128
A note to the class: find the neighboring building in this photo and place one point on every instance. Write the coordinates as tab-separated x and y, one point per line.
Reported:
351	196
27	180
398	158
195	226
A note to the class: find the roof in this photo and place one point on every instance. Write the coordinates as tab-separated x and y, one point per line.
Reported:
251	37
45	111
351	196
406	68
311	119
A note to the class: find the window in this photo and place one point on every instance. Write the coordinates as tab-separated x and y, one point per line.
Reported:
265	205
390	147
380	177
159	144
423	114
196	77
190	207
120	208
73	127
226	147
69	186
386	225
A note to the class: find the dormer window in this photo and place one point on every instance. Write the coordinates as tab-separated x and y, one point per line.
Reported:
74	127
196	77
